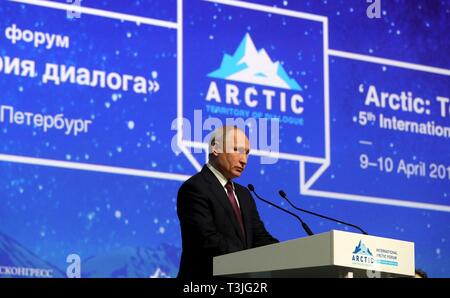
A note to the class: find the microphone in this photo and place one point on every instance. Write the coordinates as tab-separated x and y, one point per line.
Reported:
283	195
304	225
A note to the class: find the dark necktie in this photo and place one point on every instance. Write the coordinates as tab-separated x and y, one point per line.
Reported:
233	202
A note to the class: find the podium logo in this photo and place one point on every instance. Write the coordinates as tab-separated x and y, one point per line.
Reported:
249	65
362	255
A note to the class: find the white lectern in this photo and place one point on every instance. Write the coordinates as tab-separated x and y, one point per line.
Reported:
331	254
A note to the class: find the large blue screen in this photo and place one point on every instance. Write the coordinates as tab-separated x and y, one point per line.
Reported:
106	105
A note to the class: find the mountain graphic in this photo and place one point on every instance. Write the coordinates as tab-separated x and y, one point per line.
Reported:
249	65
143	262
136	262
13	254
362	249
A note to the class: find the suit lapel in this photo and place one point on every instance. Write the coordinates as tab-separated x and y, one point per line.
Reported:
219	193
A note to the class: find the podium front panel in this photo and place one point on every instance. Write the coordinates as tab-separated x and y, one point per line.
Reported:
373	253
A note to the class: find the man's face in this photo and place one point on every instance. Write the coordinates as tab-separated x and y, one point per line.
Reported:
232	159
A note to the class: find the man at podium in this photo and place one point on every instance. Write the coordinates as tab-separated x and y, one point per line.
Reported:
218	216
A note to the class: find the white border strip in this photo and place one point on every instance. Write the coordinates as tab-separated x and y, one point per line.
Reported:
256	152
326	92
271	9
180	143
99	12
384	61
317	174
375	200
363	142
305	190
91	167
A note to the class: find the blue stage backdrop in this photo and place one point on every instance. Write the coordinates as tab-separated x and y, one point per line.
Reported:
105	106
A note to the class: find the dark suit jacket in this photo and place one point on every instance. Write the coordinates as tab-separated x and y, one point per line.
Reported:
209	227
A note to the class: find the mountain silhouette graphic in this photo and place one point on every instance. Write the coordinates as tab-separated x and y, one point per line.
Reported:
361	249
13	254
136	262
139	262
249	65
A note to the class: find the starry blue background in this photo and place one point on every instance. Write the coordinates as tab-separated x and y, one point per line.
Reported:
127	225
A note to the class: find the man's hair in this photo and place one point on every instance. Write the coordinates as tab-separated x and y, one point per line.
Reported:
218	137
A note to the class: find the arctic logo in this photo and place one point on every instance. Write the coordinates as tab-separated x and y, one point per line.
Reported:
249	65
362	255
362	249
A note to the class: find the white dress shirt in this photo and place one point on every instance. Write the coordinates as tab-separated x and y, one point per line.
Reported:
223	181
